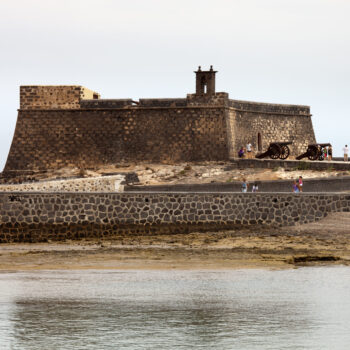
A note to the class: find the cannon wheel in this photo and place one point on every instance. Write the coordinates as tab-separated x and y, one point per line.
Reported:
274	151
284	152
313	153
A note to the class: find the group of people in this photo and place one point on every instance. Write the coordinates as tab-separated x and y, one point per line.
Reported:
245	186
246	152
297	186
327	152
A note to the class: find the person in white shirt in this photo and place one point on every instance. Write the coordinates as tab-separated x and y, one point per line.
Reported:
346	153
249	150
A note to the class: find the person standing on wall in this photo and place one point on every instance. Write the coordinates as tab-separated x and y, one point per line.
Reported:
325	153
249	150
346	153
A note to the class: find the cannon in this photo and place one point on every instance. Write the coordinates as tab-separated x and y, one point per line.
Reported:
314	151
276	150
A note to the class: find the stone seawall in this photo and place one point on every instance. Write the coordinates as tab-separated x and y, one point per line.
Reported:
35	217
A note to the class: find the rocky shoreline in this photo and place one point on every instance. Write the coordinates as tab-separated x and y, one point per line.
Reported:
323	242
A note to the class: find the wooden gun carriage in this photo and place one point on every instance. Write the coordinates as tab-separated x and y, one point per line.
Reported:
276	150
314	151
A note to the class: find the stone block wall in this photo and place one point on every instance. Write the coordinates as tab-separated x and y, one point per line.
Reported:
93	184
260	107
34	217
163	102
51	139
246	126
47	97
106	103
62	126
217	99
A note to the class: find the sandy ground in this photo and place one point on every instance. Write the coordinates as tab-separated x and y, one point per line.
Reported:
325	242
190	173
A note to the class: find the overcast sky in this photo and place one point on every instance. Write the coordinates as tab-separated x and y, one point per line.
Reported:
279	51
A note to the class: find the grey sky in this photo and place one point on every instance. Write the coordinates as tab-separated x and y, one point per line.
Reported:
279	51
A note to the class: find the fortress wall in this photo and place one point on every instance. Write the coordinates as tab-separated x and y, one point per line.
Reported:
51	139
217	99
46	96
163	102
106	103
246	126
250	106
34	217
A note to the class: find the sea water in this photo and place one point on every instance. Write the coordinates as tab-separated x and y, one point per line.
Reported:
305	308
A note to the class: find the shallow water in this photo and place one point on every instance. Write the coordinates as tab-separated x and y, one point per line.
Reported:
307	308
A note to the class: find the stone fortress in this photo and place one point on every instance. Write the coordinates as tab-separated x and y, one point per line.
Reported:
71	126
63	126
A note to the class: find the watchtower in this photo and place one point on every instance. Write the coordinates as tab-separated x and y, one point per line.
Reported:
205	81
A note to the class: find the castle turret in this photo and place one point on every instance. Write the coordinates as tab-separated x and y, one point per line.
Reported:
205	81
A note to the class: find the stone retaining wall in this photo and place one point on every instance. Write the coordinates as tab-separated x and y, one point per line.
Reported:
91	184
33	217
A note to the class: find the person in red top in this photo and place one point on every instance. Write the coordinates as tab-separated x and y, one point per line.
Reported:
300	183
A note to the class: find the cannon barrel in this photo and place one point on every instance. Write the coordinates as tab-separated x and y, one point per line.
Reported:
263	155
303	155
